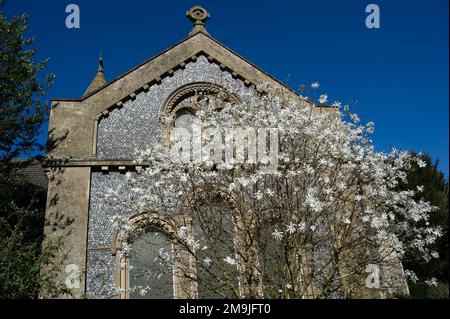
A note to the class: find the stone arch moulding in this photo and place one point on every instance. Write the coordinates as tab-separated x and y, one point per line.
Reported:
194	91
140	223
220	192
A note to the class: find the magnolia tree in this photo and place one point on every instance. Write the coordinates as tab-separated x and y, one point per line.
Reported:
272	196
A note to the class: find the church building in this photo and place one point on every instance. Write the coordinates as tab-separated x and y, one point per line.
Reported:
93	140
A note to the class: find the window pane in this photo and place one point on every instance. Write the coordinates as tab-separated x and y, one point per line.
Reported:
184	119
214	227
272	259
151	270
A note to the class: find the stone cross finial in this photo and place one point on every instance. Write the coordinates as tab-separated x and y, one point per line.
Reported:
198	16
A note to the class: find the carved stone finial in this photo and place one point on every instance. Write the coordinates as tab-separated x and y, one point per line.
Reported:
198	16
100	63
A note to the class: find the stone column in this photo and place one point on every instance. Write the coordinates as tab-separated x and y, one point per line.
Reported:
67	219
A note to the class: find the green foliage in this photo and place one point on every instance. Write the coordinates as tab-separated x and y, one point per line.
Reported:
22	206
423	291
21	110
435	191
21	259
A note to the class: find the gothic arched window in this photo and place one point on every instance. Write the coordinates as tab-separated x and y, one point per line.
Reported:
217	273
145	258
151	266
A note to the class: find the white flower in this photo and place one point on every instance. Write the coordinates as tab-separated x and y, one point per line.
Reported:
432	282
182	232
341	186
309	169
421	163
244	181
313	227
194	244
291	228
376	222
323	98
313	202
336	104
434	254
229	260
355	118
347	221
277	234
420	188
411	276
370	127
143	291
207	261
315	85
302	227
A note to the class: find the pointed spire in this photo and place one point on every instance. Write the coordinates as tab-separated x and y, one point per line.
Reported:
99	79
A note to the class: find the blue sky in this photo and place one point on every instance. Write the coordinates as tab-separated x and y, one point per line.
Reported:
398	74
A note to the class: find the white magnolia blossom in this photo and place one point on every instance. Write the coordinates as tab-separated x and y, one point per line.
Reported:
291	228
432	282
434	254
411	276
421	163
302	227
278	235
207	261
229	260
336	104
270	192
144	290
327	170
323	98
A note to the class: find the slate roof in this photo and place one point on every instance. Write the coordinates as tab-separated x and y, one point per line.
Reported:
32	170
